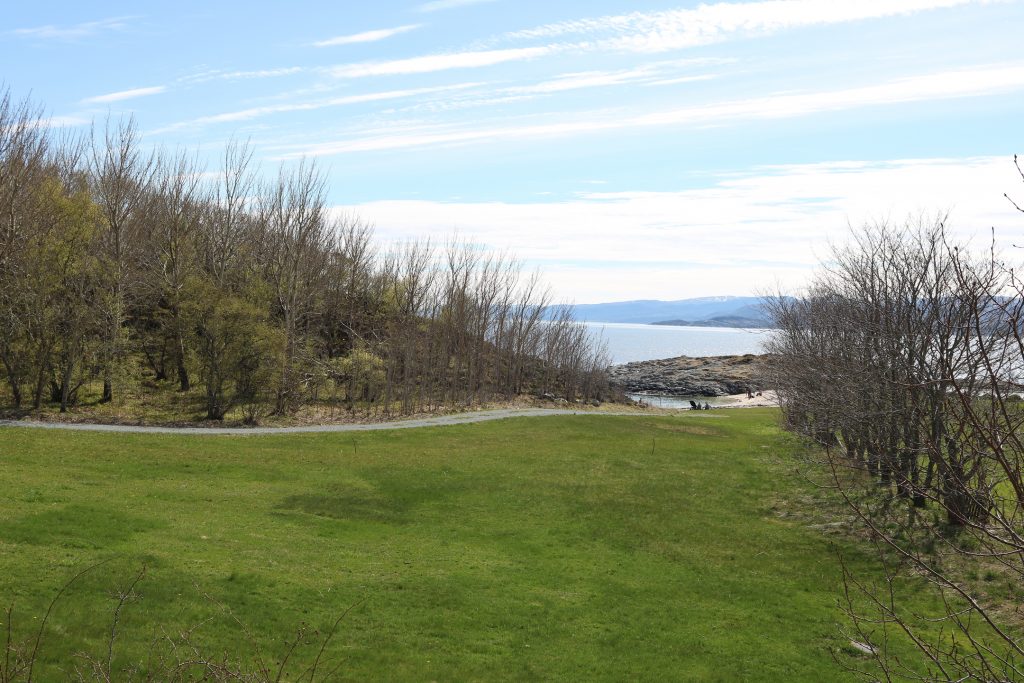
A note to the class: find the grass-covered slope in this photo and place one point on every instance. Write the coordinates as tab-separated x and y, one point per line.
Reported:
570	548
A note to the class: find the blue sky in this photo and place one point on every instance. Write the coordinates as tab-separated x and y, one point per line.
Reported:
644	149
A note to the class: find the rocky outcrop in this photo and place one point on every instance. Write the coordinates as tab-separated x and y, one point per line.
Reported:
685	376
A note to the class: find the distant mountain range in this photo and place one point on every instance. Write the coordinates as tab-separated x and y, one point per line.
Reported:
721	321
714	311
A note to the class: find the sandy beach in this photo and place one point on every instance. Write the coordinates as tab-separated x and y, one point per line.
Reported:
767	399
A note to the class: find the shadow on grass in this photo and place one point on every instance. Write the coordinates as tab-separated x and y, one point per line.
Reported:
172	657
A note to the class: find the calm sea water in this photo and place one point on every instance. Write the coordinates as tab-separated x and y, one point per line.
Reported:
627	342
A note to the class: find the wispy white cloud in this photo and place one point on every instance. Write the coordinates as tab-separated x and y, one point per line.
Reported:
651	32
601	246
387	141
712	23
438	5
64	121
439	62
654	73
451	104
586	79
73	31
945	85
221	75
366	36
679	80
125	95
256	112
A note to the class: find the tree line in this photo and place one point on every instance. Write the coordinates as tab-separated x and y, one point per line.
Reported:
903	362
120	265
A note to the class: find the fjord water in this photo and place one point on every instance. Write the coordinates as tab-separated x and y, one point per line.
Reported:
633	342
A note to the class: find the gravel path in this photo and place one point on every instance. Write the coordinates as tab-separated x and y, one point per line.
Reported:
439	421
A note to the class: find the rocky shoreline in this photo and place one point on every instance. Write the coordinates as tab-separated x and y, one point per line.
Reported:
686	376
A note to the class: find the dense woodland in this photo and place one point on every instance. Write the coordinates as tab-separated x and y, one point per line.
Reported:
904	362
122	266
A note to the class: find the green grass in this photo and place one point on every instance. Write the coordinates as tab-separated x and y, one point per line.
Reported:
558	548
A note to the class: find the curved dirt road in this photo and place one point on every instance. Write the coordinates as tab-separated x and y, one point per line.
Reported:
439	421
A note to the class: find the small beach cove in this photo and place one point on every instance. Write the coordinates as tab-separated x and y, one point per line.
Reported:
765	399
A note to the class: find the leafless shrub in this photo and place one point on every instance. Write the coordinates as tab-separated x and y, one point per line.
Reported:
902	363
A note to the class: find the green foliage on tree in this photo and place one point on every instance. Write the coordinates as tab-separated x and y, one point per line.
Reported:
132	270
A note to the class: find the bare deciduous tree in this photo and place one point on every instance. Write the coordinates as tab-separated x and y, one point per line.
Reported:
902	363
257	289
121	173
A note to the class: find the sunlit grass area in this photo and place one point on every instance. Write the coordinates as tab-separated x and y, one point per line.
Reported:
568	548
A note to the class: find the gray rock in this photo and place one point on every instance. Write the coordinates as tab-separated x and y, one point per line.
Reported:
685	376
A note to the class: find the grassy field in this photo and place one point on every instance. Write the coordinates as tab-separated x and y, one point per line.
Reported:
568	548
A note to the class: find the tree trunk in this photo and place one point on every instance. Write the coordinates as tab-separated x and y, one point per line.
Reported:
12	380
65	386
184	382
37	397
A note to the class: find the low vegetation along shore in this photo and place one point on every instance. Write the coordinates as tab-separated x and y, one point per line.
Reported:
735	378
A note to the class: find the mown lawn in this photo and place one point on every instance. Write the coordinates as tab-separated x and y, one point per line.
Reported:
559	548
